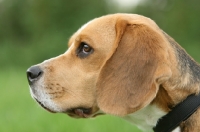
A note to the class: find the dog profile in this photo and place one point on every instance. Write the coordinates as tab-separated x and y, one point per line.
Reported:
119	64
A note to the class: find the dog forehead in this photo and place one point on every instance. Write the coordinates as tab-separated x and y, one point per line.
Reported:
99	29
107	23
84	26
103	28
99	25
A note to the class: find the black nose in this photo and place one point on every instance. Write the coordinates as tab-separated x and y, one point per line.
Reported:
33	74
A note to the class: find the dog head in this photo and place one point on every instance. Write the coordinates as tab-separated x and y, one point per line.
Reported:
114	64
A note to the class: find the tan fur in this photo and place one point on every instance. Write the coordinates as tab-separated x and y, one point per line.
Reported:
127	70
134	64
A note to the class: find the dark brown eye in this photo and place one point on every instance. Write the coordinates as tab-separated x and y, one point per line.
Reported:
84	50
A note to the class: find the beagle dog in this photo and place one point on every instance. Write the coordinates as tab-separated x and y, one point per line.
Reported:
119	64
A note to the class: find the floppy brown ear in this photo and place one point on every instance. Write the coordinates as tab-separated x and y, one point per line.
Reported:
127	81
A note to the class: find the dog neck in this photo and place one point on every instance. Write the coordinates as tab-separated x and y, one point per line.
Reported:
178	114
146	118
185	79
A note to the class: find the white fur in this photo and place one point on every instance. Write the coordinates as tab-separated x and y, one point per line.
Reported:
177	130
38	92
146	118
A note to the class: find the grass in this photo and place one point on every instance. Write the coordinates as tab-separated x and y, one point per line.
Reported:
19	113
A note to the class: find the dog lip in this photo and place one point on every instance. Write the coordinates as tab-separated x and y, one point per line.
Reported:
43	106
80	112
83	113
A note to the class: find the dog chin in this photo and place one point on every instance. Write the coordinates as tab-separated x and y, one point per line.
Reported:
79	112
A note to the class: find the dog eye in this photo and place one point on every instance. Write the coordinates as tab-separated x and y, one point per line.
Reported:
84	50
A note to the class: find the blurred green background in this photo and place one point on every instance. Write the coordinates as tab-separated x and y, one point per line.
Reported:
34	30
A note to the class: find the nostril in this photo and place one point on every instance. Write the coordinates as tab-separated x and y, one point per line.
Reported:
33	73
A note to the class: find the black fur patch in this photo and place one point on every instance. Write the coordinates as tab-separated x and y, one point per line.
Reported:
185	61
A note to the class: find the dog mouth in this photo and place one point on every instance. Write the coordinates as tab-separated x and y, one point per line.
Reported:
80	112
83	113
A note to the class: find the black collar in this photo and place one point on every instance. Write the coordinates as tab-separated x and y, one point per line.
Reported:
179	113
